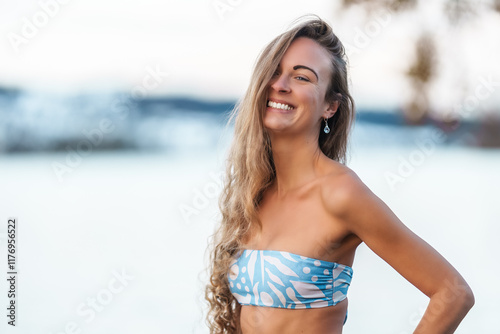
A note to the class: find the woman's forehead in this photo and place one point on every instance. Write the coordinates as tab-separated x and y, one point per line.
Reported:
307	52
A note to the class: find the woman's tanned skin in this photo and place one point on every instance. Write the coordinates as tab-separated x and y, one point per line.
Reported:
319	208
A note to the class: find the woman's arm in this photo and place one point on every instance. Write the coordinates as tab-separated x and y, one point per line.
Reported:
367	216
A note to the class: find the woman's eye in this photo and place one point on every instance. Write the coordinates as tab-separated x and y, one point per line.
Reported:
302	78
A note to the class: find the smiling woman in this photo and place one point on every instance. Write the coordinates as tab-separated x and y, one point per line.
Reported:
300	90
293	214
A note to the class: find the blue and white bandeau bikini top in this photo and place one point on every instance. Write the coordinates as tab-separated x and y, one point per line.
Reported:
286	280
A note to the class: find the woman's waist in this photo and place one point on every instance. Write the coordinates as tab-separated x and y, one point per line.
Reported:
263	320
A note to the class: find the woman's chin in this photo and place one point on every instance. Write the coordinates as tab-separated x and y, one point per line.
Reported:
277	127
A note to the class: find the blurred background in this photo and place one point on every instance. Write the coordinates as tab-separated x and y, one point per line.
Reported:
113	140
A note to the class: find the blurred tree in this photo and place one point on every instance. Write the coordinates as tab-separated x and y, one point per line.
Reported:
422	70
420	74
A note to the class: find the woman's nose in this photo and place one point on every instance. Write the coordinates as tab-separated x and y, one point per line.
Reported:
280	84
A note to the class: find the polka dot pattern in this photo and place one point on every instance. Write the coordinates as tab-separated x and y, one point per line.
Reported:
287	280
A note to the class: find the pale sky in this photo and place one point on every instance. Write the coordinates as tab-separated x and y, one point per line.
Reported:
106	45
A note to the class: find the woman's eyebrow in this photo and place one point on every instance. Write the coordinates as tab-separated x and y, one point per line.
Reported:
296	67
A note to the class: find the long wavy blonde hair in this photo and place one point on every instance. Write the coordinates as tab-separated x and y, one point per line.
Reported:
250	168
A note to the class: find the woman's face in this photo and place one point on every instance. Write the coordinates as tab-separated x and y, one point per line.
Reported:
299	85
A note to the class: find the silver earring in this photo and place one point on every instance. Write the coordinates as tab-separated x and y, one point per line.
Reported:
326	129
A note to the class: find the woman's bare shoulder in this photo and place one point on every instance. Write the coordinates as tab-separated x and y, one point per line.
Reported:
342	186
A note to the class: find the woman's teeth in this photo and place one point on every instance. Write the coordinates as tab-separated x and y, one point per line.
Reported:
278	105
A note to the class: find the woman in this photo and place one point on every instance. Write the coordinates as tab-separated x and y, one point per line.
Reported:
293	214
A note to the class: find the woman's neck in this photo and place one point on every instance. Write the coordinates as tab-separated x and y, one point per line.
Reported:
297	161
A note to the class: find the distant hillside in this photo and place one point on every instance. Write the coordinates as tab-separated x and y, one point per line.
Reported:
41	122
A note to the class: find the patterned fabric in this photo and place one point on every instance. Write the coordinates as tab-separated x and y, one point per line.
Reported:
286	280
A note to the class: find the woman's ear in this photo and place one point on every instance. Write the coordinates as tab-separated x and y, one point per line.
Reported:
332	108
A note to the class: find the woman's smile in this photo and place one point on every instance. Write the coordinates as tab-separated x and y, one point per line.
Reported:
279	106
297	89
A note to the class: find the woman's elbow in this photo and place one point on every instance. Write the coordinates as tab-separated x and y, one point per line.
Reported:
465	297
458	295
468	298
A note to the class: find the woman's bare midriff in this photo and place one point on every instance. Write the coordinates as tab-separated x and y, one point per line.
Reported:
299	224
270	320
